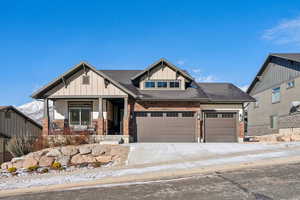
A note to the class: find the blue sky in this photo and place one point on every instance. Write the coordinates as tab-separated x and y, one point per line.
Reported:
224	41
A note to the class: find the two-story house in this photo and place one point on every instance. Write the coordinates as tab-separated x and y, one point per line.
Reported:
276	90
161	103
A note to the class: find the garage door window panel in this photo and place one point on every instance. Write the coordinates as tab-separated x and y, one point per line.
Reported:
172	114
156	114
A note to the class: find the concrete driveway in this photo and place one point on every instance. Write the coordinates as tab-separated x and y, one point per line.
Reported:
146	153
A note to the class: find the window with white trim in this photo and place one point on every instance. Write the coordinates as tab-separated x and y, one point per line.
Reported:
162	84
80	114
290	84
274	121
276	95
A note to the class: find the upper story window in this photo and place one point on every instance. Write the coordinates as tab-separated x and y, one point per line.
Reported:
174	84
276	95
162	84
149	84
85	80
290	84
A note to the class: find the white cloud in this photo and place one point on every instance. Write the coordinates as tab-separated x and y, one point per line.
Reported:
180	62
201	77
244	88
209	78
196	71
285	32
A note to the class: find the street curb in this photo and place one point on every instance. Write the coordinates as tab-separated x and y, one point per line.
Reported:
152	176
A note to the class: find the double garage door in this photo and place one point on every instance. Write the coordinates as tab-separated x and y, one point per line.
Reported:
165	126
179	126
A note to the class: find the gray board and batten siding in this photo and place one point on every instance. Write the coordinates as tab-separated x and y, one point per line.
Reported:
277	71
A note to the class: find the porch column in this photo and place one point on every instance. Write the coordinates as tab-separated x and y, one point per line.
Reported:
126	118
100	124
45	131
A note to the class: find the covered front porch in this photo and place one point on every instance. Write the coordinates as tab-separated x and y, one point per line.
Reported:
104	115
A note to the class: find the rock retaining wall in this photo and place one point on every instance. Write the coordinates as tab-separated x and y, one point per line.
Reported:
70	156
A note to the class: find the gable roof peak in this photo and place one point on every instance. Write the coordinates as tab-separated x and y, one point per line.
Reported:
163	60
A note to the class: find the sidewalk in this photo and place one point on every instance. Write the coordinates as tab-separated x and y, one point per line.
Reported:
139	169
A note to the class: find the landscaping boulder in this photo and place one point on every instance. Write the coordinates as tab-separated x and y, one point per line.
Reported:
29	162
53	153
77	159
85	149
295	137
6	165
99	150
17	163
89	158
69	150
80	159
35	155
46	161
64	160
104	159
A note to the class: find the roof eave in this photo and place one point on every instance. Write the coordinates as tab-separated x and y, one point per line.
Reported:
38	95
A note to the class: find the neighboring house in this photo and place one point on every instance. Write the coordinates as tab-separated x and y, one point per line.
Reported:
15	123
276	90
159	104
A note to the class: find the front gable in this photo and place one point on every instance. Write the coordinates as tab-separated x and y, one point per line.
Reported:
162	71
94	85
71	84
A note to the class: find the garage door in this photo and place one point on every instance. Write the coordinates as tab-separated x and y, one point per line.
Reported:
220	127
165	126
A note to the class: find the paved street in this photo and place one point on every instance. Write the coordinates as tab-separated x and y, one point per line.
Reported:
272	182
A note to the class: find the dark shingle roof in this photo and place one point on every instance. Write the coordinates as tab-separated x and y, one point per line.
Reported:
289	56
224	92
123	77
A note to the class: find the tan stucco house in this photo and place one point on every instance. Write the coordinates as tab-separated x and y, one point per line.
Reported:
161	103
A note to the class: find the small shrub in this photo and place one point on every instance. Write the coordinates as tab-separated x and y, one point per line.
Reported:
56	165
21	145
32	168
45	170
12	169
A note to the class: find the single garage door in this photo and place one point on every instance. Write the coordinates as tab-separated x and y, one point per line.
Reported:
220	127
165	126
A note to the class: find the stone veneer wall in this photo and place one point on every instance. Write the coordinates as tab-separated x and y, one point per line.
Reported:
91	139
